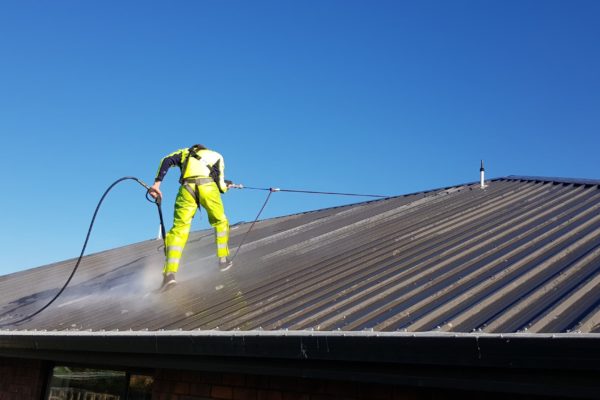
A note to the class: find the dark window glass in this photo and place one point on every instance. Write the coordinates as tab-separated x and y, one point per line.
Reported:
140	387
70	383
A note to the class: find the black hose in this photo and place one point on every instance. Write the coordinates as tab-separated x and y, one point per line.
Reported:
156	201
251	226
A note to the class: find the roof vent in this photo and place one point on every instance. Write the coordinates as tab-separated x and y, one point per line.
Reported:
482	176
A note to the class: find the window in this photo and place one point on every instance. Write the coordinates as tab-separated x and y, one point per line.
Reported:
73	383
140	387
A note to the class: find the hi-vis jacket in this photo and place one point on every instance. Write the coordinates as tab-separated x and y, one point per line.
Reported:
195	163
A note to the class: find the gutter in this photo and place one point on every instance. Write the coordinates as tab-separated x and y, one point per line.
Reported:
551	364
572	351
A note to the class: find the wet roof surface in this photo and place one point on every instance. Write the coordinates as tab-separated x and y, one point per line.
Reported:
521	255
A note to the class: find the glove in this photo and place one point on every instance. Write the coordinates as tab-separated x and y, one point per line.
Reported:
228	182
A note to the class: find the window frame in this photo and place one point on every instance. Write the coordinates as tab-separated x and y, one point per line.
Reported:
128	372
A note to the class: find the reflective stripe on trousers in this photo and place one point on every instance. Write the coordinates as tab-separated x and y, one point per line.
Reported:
185	209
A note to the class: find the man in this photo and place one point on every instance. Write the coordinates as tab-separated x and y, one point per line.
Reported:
202	182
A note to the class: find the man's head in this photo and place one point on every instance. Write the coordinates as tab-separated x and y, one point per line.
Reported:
198	147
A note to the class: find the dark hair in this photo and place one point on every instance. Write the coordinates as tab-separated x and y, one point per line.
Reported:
199	147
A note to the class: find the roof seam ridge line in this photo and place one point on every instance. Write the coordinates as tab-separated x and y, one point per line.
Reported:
505	272
299	294
541	291
389	215
476	260
489	208
383	282
495	208
305	294
445	262
296	229
578	294
457	255
259	300
360	203
361	224
591	321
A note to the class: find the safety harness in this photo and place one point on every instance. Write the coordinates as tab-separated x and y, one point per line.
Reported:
195	180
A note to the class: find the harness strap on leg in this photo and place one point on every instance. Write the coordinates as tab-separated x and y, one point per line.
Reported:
195	194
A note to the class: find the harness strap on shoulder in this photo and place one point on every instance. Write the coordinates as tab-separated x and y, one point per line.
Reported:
212	169
191	153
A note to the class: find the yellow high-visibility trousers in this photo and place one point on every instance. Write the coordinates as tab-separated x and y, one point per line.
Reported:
185	209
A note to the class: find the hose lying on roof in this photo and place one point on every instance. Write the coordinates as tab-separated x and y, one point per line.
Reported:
162	226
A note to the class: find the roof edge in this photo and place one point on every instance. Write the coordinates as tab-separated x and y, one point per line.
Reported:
290	333
577	181
564	364
570	351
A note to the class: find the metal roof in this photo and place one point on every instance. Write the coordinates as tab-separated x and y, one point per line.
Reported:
521	255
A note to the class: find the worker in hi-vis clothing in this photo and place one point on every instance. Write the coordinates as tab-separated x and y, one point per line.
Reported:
202	182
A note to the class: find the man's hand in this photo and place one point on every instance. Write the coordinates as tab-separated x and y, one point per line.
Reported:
155	191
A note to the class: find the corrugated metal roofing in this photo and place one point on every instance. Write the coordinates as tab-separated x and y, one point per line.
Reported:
523	254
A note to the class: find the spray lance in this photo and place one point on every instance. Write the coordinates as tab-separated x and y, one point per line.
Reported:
157	200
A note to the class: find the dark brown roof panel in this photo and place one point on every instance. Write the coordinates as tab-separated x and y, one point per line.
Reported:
521	255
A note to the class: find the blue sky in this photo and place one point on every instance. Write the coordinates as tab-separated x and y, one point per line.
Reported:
383	97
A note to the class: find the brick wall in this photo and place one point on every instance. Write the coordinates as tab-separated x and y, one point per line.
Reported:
25	380
186	385
21	379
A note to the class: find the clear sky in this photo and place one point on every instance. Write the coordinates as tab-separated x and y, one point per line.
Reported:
383	97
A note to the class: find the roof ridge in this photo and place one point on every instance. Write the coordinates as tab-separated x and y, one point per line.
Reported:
578	181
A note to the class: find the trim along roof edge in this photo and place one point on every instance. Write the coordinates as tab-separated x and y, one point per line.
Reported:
557	351
578	181
564	364
290	333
